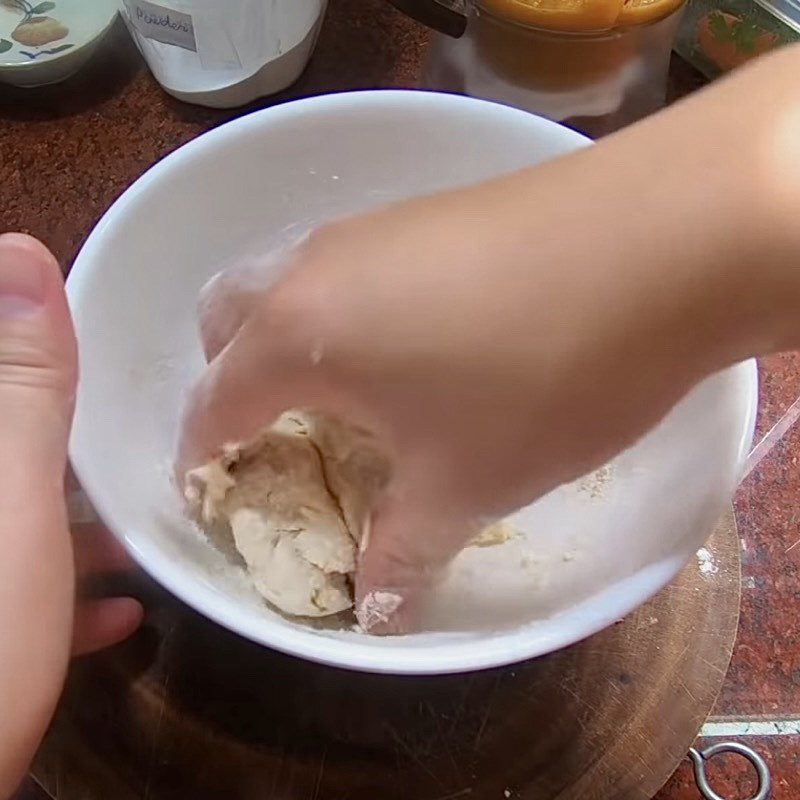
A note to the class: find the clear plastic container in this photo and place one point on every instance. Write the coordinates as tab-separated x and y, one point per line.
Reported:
595	65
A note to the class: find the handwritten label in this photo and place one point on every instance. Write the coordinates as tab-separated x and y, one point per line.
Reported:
162	24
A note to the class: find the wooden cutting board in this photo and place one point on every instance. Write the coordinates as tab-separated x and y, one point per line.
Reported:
189	711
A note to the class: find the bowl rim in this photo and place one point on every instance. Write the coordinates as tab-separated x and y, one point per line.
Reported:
480	651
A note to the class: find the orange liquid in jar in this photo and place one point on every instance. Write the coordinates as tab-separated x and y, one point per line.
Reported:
556	45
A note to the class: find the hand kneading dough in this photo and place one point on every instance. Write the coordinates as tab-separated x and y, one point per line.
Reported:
297	502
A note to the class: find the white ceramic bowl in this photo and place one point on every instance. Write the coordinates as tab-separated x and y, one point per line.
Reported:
47	42
589	553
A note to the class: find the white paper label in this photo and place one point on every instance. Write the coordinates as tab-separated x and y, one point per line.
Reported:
164	25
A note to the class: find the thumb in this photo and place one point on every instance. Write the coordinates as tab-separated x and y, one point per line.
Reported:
410	544
38	362
37	384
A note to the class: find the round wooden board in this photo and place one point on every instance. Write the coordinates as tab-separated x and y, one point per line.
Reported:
189	710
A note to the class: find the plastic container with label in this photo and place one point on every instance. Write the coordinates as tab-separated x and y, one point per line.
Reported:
224	54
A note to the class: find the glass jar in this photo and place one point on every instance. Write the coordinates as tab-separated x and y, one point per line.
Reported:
595	65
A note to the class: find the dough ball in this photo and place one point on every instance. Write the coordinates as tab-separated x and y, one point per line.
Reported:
297	502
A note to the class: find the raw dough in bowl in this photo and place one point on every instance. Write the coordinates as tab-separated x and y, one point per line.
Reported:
296	503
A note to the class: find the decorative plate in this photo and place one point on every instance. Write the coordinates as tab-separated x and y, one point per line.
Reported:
42	41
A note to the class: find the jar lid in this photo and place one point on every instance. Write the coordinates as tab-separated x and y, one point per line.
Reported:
580	16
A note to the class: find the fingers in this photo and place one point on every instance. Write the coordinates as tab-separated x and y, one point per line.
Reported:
97	552
103	623
70	481
99	623
225	303
236	396
410	545
38	362
37	385
230	297
255	358
267	368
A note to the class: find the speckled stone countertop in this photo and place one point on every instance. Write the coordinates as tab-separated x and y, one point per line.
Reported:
66	152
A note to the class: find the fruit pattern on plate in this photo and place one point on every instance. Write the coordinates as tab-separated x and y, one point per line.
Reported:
35	30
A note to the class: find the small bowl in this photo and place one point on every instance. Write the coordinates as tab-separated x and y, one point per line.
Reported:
47	42
587	554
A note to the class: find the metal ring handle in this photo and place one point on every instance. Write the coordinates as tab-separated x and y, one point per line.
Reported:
700	757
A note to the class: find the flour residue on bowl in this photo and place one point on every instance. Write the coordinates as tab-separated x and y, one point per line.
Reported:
496	534
597	483
706	563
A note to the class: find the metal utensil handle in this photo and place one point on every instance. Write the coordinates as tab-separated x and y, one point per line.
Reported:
700	757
